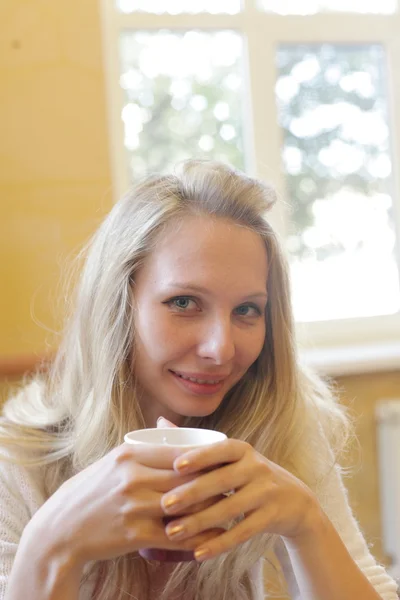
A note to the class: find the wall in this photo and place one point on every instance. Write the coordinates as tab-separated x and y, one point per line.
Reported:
361	393
54	165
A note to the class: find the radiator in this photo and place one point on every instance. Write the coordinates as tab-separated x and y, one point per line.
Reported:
388	441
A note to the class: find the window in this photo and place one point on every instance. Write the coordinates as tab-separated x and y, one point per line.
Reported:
310	7
182	94
302	93
332	106
176	7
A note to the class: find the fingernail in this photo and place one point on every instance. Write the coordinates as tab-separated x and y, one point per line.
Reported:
171	502
181	465
201	554
161	421
175	531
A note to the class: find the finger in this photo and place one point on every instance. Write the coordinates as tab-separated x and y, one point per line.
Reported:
199	459
159	457
217	482
200	506
147	503
163	422
164	481
144	503
218	514
202	538
185	552
162	541
239	534
158	480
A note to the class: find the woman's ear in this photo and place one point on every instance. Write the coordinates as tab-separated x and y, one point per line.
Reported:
162	422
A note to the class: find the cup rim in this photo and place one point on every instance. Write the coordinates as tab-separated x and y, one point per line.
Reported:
128	440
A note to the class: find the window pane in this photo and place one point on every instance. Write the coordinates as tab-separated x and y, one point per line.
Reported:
336	156
182	98
176	7
309	7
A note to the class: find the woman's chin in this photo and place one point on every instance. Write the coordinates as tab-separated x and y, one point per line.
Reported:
187	412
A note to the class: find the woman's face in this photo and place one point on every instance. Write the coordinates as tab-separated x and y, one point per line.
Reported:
200	303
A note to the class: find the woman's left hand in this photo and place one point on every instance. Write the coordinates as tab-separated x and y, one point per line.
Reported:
271	499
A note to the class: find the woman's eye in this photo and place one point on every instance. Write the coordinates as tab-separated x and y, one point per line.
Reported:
248	310
187	303
181	303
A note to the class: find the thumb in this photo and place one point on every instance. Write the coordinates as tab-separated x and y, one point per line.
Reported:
163	422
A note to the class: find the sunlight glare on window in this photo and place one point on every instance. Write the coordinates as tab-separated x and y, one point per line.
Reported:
332	103
309	7
176	7
183	98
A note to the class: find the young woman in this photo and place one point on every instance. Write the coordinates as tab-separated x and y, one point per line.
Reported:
183	311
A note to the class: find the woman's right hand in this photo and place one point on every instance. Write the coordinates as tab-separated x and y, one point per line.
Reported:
113	507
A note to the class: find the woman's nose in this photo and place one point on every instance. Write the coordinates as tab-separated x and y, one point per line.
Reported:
217	341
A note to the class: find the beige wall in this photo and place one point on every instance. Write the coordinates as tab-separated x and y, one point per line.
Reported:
54	165
55	187
361	394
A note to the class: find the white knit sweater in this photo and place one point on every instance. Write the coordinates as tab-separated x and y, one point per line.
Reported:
22	493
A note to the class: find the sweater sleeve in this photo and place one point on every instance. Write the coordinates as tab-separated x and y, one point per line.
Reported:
333	497
335	501
20	497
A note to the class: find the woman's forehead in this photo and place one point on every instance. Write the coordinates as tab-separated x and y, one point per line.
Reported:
211	251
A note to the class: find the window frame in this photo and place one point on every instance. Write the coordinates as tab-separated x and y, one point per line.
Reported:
333	347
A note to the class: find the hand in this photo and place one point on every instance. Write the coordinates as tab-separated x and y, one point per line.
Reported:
163	422
113	507
271	499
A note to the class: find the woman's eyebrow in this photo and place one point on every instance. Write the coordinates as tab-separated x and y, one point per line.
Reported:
198	288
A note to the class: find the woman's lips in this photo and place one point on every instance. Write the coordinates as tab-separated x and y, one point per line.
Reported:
202	389
214	377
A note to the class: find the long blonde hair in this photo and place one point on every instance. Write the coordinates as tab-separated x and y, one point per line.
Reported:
82	409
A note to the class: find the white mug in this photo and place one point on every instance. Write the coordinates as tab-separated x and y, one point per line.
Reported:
180	438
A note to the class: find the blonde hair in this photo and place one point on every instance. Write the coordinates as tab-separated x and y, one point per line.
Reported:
85	405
